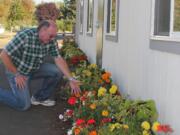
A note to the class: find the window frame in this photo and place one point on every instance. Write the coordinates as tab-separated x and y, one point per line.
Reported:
81	17
110	36
172	35
90	33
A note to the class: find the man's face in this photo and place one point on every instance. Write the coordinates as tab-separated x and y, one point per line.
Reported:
47	34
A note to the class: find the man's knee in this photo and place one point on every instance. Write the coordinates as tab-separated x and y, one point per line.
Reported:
24	105
56	72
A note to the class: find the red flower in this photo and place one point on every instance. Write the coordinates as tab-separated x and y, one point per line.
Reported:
69	112
164	128
82	57
76	59
91	121
83	98
106	120
79	122
72	100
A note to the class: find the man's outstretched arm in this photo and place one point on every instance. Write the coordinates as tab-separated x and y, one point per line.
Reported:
62	65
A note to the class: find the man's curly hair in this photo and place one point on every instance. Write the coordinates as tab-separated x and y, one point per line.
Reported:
46	11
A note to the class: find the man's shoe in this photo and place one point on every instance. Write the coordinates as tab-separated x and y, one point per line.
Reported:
47	102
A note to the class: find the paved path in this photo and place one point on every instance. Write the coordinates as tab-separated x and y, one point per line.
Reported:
38	120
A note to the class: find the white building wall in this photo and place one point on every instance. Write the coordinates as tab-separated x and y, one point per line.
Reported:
88	43
138	70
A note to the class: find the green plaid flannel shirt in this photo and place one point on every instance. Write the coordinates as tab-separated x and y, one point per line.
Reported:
27	52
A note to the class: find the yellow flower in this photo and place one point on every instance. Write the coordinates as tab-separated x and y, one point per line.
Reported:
73	74
125	126
93	106
105	104
113	89
145	125
117	125
101	91
155	126
93	66
112	127
145	132
87	72
105	113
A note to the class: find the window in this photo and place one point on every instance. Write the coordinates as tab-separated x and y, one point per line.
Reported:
177	16
112	20
90	17
81	15
167	18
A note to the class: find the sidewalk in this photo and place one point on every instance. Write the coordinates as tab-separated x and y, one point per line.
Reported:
38	120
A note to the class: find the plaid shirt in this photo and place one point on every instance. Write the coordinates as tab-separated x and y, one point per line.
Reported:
27	52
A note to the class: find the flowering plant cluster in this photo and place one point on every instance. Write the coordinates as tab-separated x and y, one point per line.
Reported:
100	109
92	77
72	54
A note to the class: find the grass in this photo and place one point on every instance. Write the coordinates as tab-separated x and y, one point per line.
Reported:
5	38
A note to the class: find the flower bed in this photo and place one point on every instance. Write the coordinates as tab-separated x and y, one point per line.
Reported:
100	109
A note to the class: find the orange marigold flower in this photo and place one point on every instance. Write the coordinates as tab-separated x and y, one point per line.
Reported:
105	113
93	132
77	131
109	74
92	106
106	76
100	81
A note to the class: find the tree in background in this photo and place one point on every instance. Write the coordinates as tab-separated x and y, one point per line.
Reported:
64	13
67	15
46	11
69	10
4	9
16	13
22	13
28	8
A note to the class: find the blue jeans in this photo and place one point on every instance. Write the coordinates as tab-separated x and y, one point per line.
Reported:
19	99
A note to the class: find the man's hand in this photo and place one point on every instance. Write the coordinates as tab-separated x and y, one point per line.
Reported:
75	89
21	81
74	84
